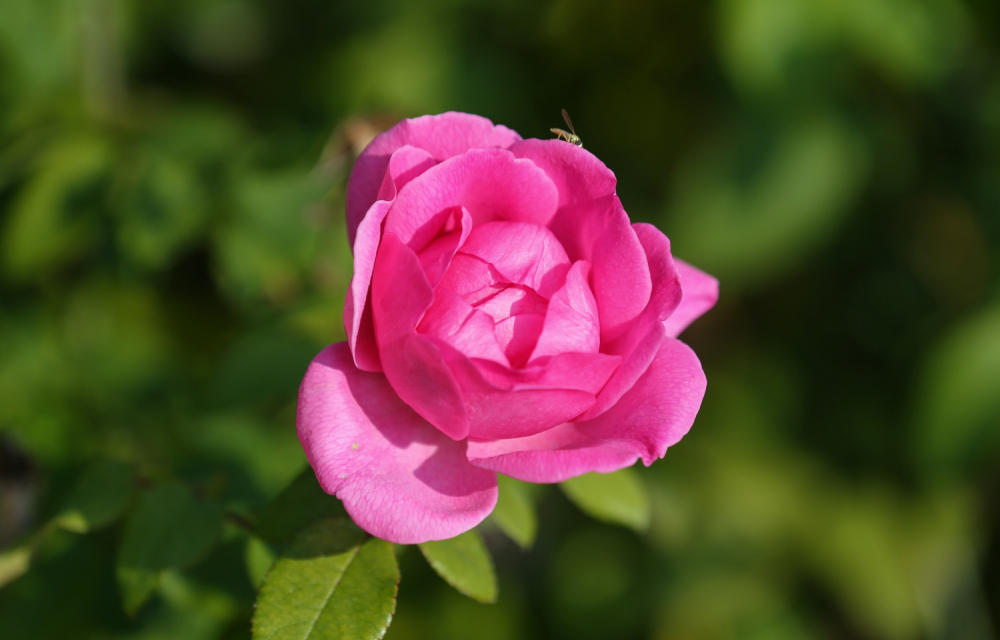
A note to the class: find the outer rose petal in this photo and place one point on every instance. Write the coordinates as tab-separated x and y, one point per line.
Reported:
576	172
700	293
399	478
652	416
593	226
642	341
599	231
405	164
414	366
442	136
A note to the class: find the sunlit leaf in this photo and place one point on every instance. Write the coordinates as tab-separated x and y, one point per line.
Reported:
98	498
959	416
515	512
331	584
618	497
14	563
168	529
296	507
54	218
464	563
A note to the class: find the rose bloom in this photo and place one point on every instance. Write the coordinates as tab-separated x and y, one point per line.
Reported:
504	317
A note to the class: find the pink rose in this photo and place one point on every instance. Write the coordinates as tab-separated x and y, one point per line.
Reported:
504	317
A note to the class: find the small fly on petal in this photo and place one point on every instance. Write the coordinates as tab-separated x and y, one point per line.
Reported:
569	136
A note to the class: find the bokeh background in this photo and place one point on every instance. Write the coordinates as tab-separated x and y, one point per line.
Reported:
173	253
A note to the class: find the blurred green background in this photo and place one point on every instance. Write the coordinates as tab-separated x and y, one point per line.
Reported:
172	254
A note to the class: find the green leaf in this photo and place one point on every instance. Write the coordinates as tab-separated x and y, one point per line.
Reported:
164	210
618	497
329	584
14	563
515	513
259	559
299	505
168	529
464	563
959	416
99	497
54	218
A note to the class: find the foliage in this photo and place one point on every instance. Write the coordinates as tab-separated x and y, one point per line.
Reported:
173	253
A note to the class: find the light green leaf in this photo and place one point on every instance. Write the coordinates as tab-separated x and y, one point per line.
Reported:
300	504
98	498
259	559
464	563
959	413
330	584
14	563
168	529
515	513
54	217
618	497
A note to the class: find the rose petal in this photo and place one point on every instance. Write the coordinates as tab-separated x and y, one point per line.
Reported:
518	336
473	279
700	293
491	183
654	415
577	173
600	231
436	257
455	321
442	136
405	163
641	341
506	403
571	324
399	478
414	366
509	300
524	253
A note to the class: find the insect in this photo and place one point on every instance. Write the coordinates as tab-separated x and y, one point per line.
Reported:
569	136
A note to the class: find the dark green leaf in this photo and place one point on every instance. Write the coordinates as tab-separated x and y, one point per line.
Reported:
299	505
168	529
618	497
515	513
464	563
98	498
330	584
